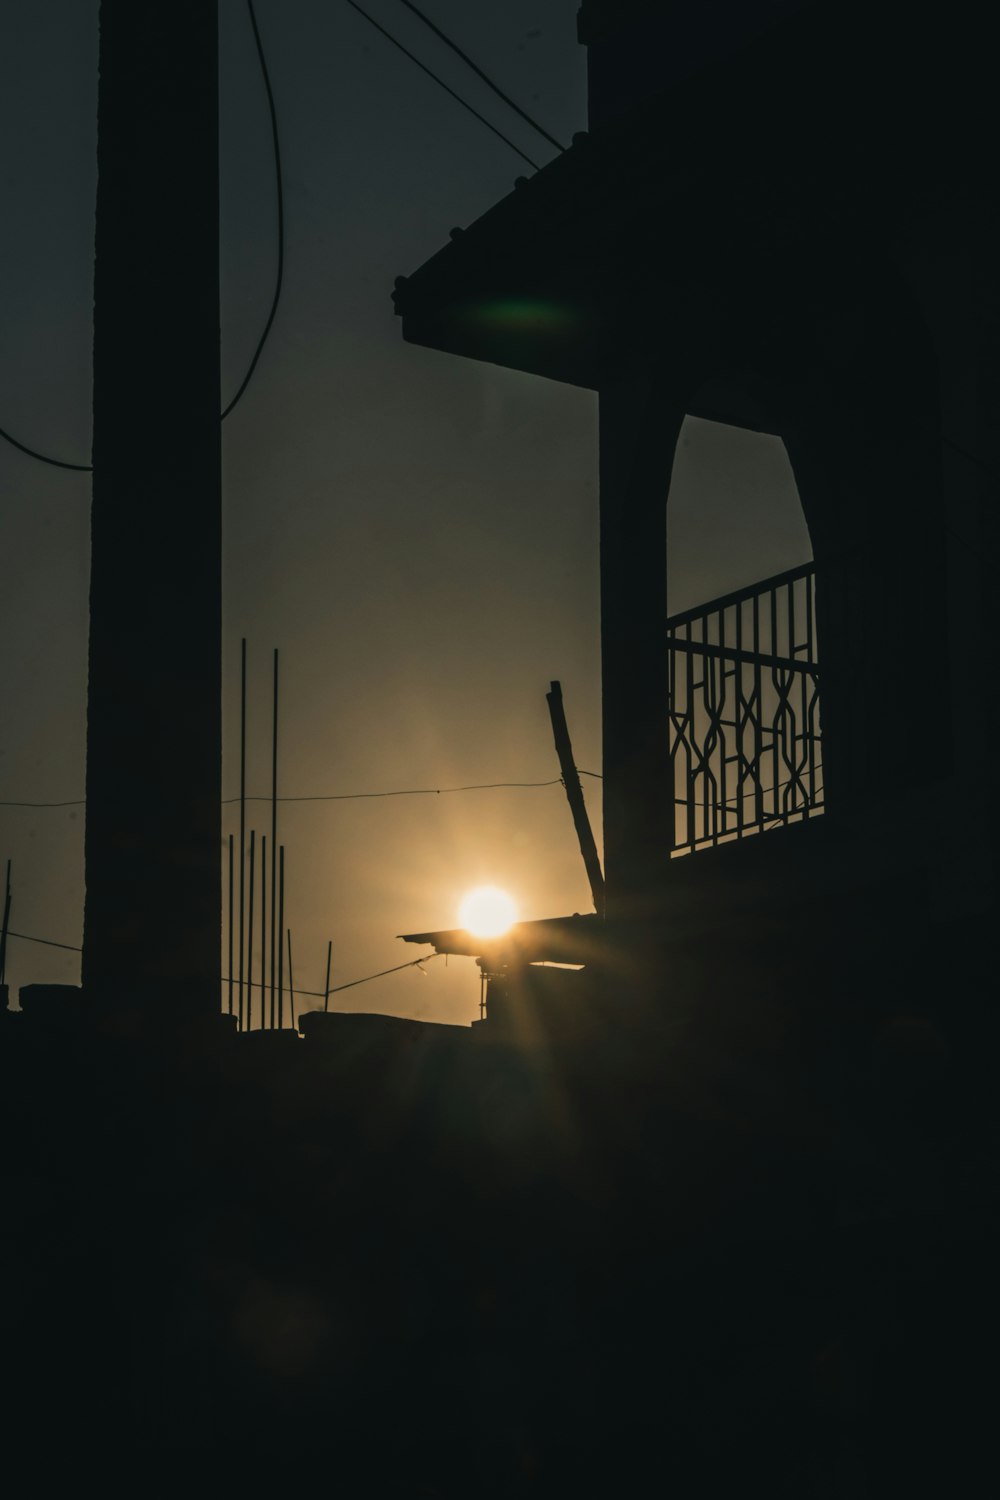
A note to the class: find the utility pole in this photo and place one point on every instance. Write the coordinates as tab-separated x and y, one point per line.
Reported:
153	910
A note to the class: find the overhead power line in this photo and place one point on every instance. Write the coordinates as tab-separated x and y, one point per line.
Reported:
46	942
58	463
279	191
422	791
419	791
413	963
75	802
440	81
484	76
43	458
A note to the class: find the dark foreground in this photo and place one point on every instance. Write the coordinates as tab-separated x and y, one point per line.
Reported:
753	1249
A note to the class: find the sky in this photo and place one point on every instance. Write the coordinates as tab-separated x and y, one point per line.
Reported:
416	533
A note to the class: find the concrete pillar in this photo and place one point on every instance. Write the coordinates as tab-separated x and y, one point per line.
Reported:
153	913
639	426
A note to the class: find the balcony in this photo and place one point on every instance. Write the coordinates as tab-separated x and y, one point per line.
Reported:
744	720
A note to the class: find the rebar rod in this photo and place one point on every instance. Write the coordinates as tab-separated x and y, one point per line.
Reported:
281	928
249	1007
243	809
274	823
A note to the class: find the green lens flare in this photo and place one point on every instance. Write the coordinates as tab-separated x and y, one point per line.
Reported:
522	314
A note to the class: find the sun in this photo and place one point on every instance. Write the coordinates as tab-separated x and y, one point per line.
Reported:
487	912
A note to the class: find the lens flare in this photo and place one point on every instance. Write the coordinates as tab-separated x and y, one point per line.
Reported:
487	912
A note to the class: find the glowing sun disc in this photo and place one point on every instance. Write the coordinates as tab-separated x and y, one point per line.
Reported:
487	912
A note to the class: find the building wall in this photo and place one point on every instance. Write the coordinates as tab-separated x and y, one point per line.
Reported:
638	49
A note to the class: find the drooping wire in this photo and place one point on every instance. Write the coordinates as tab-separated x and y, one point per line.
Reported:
46	942
279	192
484	76
58	463
43	458
413	963
423	791
420	791
438	80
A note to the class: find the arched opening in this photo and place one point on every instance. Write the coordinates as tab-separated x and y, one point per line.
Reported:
734	515
745	745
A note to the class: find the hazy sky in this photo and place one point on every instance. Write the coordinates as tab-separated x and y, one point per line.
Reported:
416	533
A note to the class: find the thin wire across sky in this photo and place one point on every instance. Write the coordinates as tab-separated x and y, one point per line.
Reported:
59	463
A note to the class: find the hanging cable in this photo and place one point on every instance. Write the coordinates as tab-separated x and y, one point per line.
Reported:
420	791
413	963
58	463
46	942
43	458
423	791
457	97
484	76
279	191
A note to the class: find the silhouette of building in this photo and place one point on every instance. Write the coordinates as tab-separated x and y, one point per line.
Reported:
531	993
783	217
434	1265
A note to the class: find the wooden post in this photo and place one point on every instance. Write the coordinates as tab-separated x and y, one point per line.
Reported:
574	794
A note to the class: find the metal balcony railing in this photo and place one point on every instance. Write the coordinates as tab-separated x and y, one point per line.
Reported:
745	747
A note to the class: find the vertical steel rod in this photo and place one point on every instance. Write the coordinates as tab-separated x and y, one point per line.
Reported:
249	1017
229	969
329	956
274	824
263	930
291	980
5	926
243	807
281	928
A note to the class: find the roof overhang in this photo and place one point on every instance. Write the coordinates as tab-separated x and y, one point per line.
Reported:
567	940
518	287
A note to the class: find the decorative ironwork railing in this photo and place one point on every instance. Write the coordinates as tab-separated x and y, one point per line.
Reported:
745	748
